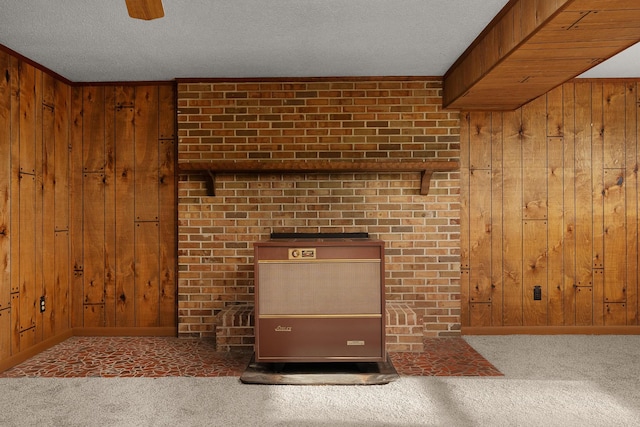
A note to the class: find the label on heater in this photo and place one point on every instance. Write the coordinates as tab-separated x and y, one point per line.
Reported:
302	253
355	342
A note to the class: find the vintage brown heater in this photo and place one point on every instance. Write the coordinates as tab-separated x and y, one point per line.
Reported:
319	299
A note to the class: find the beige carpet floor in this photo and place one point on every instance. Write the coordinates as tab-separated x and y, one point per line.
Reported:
548	381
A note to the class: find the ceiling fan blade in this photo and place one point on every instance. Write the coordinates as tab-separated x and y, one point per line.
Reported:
145	9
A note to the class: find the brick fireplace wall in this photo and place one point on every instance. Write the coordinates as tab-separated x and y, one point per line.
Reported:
336	119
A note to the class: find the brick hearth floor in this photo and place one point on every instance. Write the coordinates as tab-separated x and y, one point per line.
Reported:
171	357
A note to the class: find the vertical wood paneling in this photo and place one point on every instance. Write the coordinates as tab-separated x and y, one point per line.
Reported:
535	272
128	248
61	171
41	165
480	208
480	141
480	238
535	211
27	255
76	208
534	155
125	212
597	180
14	76
569	206
480	314
615	242
93	240
167	112
584	306
555	205
27	124
565	183
93	115
59	200
147	273
167	207
27	252
615	314
614	105
48	221
614	219
465	135
15	323
464	297
5	193
512	214
497	219
555	231
110	207
5	336
28	339
631	187
60	309
34	140
583	186
93	315
146	153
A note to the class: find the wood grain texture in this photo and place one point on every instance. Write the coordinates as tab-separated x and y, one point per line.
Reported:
27	254
125	211
146	153
532	47
480	237
497	218
76	205
93	129
28	106
564	179
14	77
62	105
48	221
632	206
61	307
512	202
168	298
147	280
94	238
128	254
5	193
569	205
5	337
110	207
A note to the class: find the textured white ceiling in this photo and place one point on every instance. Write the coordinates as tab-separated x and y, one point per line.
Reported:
95	40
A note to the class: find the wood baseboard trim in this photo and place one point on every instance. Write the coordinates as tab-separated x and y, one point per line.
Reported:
126	332
32	351
551	330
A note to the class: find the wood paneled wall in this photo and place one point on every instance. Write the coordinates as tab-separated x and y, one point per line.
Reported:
550	200
123	206
87	209
34	206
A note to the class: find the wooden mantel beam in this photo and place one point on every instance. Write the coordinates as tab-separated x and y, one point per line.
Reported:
533	46
425	167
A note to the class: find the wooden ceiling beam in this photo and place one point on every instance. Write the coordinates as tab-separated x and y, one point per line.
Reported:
532	46
145	9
